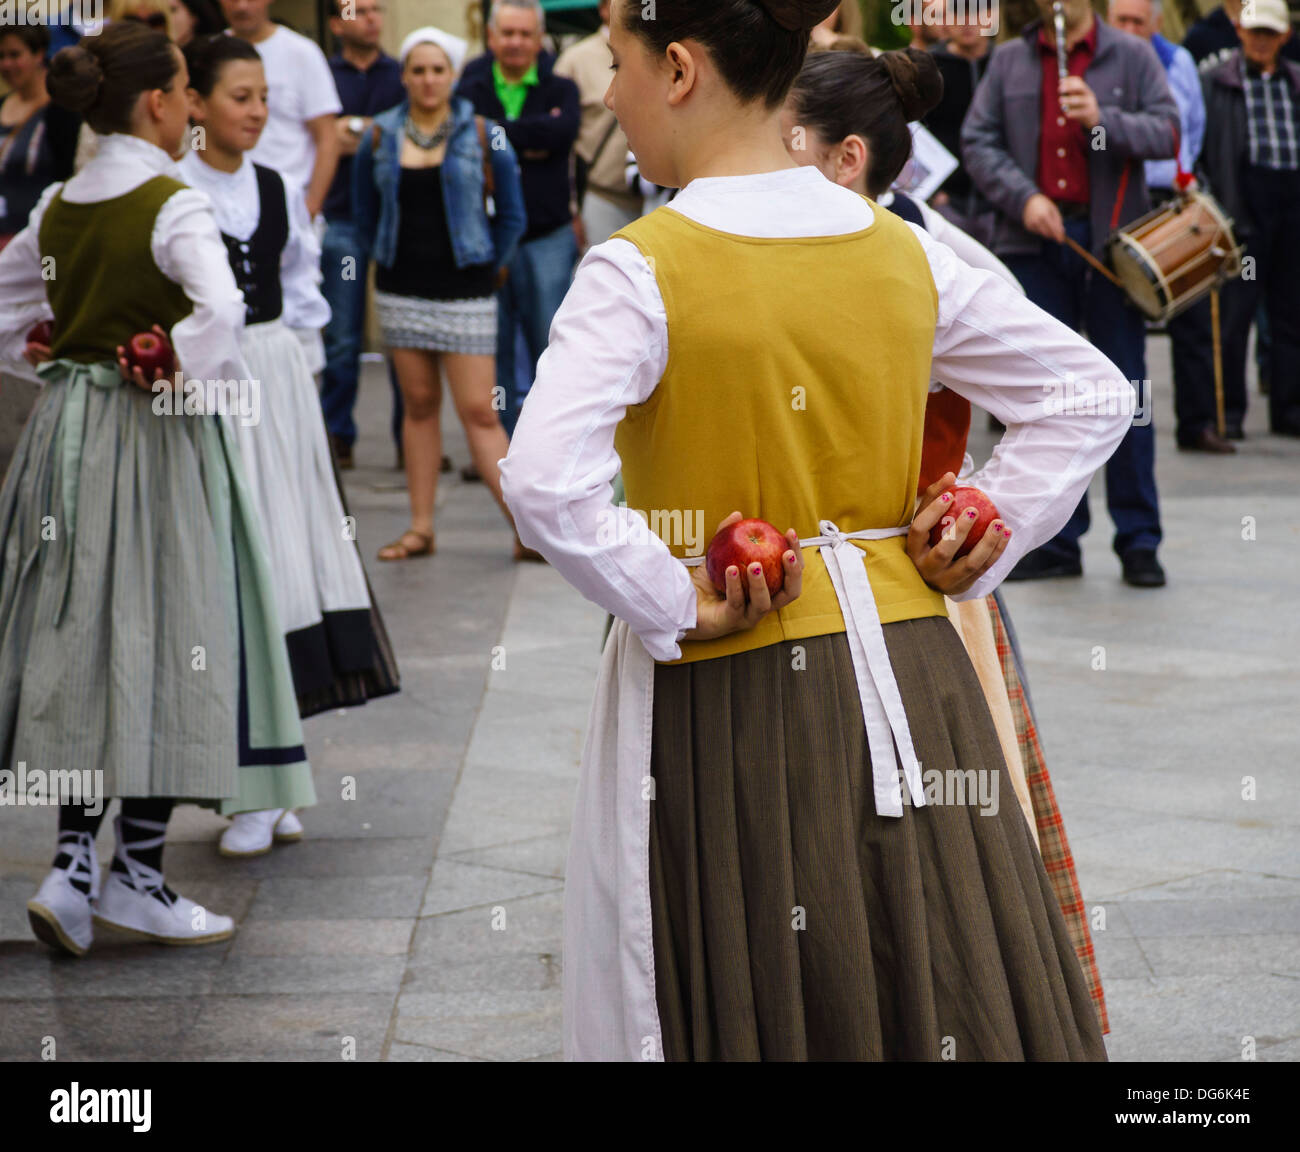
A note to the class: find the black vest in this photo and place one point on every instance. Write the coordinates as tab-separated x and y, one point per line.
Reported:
903	205
256	261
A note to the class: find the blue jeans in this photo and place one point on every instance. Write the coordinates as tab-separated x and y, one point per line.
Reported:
343	264
540	274
344	287
1060	283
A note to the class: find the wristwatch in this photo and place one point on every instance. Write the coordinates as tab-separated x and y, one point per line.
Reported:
356	125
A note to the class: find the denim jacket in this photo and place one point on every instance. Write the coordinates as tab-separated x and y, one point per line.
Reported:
475	239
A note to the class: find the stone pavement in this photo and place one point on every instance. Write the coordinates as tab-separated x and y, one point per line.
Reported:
421	920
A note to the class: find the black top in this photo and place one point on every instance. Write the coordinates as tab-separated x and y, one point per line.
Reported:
37	152
960	76
425	264
542	142
256	261
367	93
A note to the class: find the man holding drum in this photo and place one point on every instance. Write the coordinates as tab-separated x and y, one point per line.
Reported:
1252	163
1057	148
1189	332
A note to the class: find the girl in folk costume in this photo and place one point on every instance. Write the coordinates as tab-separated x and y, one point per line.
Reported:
757	869
140	632
338	647
849	114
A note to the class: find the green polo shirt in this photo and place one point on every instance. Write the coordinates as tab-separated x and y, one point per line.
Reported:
513	93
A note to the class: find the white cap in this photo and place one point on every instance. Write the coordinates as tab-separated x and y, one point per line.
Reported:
454	46
1271	14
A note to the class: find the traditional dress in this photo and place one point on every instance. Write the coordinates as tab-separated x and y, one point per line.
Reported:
140	632
745	877
986	631
338	647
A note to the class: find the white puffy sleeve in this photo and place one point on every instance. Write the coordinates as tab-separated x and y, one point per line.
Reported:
1066	407
187	248
22	289
608	350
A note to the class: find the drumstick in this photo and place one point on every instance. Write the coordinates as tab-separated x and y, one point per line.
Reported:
1218	361
1088	256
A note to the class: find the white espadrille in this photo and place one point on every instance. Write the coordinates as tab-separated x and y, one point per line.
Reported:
139	903
61	915
250	833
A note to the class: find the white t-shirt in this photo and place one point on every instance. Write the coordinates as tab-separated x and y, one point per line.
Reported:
300	88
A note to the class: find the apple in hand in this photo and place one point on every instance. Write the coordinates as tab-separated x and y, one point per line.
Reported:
42	334
151	353
963	498
744	543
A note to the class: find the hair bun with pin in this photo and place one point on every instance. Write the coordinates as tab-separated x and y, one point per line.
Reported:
75	79
916	80
799	15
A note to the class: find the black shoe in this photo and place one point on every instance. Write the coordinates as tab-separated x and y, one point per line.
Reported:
1209	441
447	465
342	450
1142	569
470	473
1036	566
1233	432
1286	428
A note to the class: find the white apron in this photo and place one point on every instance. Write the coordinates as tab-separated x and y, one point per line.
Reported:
610	1012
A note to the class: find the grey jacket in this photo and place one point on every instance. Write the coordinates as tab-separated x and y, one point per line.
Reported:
1000	135
1226	151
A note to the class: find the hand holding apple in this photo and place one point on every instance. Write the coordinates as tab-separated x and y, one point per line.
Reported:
742	543
964	499
744	604
146	358
40	339
943	565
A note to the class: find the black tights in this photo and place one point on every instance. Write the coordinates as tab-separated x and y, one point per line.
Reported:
138	814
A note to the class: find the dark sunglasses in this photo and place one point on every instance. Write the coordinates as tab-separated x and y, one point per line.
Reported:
155	20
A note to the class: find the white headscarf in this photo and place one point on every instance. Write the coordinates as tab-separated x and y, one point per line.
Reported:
454	46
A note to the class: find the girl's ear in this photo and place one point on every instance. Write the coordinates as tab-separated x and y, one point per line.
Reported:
154	103
198	111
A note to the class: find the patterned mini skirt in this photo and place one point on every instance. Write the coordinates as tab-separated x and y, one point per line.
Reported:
468	327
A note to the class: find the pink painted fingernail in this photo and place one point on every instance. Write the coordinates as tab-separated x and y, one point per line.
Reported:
945	498
971	513
757	569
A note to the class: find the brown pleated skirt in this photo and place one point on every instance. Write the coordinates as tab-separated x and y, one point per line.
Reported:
792	923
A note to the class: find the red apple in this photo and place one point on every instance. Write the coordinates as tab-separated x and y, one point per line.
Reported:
744	543
149	352
963	498
42	334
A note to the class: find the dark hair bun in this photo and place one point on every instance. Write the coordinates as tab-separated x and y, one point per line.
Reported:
75	79
800	15
916	80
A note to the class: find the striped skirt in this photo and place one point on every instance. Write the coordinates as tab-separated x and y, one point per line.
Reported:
791	922
138	630
338	646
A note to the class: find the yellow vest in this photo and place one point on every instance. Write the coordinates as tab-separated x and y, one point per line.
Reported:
795	391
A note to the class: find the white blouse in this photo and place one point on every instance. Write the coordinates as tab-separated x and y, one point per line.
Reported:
609	347
238	209
185	244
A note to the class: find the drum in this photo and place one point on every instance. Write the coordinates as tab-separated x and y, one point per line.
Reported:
1169	258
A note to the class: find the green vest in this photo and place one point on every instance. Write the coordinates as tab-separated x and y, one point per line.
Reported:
102	281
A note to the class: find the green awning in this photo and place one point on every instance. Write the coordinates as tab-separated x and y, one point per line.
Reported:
566	5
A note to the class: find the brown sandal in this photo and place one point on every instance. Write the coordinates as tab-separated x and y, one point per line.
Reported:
399	551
